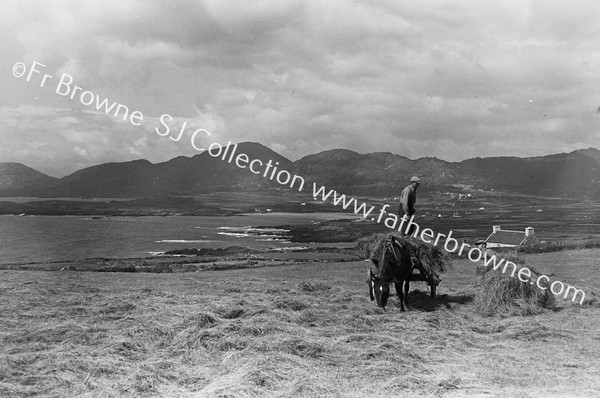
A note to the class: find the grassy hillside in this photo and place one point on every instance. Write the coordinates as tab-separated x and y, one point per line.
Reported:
300	330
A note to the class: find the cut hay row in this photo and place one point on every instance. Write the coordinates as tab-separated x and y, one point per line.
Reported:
144	339
297	331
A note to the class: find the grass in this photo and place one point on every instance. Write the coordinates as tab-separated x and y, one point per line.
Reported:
502	293
302	330
555	246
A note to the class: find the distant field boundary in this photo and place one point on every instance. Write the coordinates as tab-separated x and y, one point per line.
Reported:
556	246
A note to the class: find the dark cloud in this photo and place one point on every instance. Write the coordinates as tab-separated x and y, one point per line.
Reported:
432	78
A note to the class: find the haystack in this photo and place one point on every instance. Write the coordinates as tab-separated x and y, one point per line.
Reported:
432	258
503	294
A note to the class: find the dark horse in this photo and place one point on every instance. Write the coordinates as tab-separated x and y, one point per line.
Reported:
394	265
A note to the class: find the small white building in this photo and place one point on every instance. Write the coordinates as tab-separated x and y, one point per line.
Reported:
507	238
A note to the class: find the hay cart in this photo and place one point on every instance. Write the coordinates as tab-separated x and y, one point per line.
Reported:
427	259
432	281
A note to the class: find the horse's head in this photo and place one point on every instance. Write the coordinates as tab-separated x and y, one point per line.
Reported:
379	289
379	281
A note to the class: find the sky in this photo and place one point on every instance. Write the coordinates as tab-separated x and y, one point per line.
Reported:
446	79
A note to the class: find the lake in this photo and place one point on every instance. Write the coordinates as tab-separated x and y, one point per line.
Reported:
26	239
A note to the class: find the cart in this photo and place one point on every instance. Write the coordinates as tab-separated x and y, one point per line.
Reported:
432	281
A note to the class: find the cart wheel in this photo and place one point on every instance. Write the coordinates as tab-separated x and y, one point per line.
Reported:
433	288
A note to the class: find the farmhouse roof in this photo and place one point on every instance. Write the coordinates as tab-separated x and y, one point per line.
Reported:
508	238
505	237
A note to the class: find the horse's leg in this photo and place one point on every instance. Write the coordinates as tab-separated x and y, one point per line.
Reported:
406	287
402	298
398	286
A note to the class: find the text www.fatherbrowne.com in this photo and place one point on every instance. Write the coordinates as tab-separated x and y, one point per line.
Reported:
451	245
271	170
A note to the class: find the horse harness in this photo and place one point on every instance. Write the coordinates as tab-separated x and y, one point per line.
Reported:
389	245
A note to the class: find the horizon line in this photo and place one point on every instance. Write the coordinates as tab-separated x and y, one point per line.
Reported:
312	154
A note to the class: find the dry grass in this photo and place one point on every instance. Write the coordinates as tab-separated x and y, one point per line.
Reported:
503	294
296	331
432	258
589	242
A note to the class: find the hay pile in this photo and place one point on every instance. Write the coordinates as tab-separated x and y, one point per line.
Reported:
433	258
502	294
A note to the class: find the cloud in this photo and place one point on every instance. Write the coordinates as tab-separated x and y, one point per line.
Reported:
433	78
62	140
81	151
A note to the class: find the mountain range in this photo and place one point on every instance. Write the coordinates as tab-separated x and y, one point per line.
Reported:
574	175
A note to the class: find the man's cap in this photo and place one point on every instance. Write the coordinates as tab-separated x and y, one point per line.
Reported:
415	179
481	242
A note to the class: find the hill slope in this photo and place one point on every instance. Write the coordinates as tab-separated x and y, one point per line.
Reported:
575	174
16	177
564	175
181	175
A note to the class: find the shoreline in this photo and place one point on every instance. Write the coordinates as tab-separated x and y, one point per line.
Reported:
194	260
238	257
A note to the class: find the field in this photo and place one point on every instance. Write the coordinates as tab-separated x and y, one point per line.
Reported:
300	330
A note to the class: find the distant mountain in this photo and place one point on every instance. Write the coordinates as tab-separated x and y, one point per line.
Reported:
575	174
108	180
590	152
374	173
15	178
181	175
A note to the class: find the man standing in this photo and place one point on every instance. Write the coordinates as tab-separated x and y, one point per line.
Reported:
408	198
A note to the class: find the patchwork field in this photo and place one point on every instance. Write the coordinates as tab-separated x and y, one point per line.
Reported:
299	330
